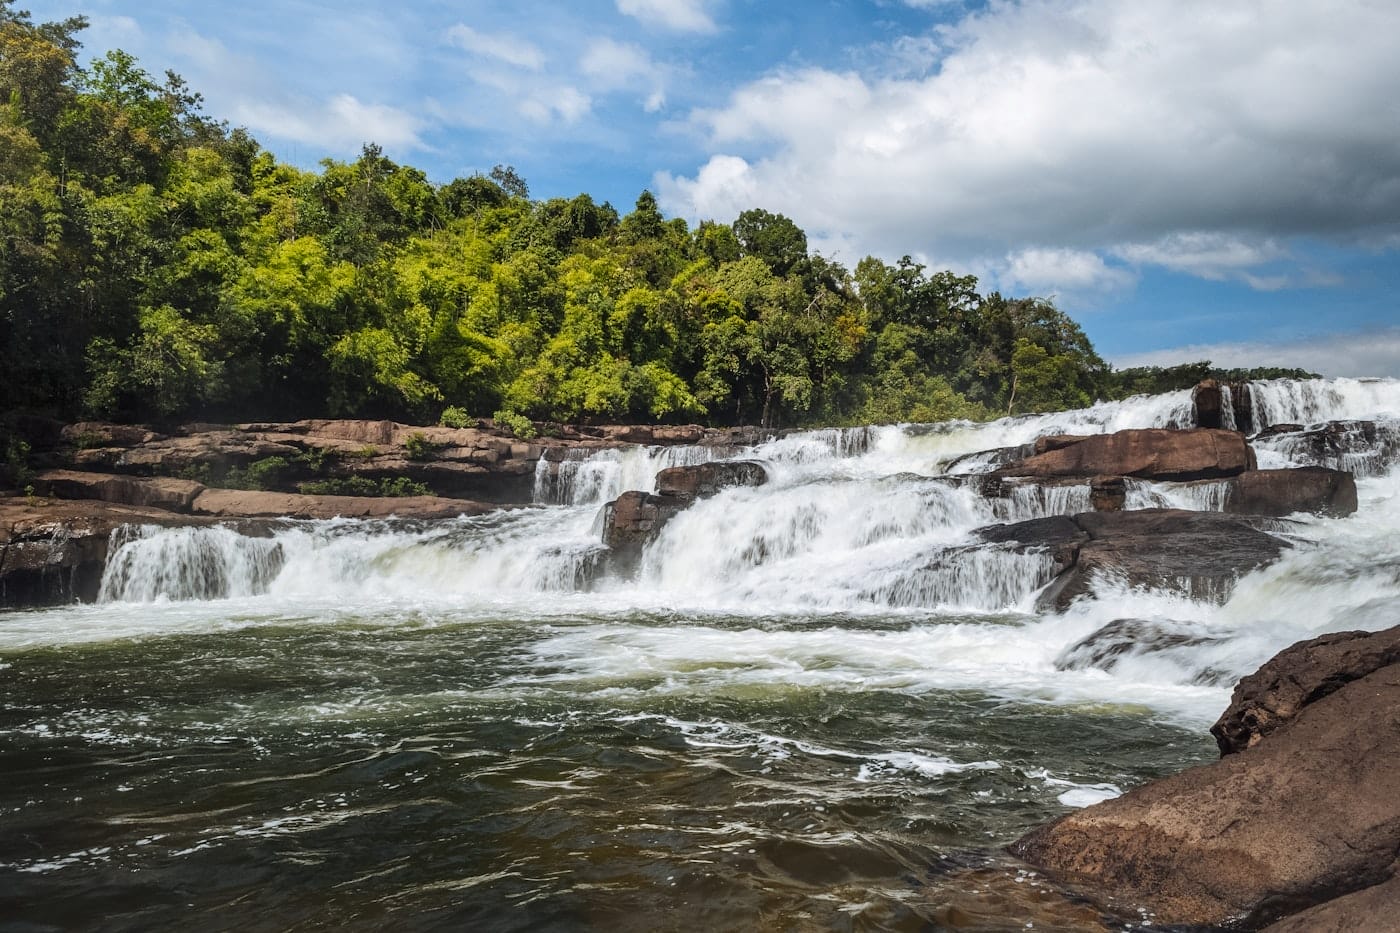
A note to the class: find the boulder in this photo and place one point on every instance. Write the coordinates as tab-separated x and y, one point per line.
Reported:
1297	677
174	495
86	434
1051	442
1201	554
1309	813
1121	638
705	479
1319	490
1370	910
1108	493
983	460
1206	400
1152	453
635	518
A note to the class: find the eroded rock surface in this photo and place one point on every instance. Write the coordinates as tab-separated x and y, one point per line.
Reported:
1154	453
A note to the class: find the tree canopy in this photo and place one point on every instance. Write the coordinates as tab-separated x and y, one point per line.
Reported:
157	264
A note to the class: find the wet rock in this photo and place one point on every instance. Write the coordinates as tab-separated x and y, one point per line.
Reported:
1319	490
1367	448
1049	442
1153	453
1108	493
988	459
1104	648
1309	813
1200	554
1206	399
53	552
634	518
705	479
1297	677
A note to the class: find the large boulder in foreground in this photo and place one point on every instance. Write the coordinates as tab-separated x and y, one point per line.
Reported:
1309	813
701	480
1297	677
1151	453
1200	554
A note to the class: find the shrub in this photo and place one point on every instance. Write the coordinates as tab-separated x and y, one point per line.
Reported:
418	446
454	417
514	422
397	487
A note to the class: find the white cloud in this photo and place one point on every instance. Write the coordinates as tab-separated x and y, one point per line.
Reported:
1367	353
567	104
342	123
1050	271
499	46
612	66
675	15
1189	134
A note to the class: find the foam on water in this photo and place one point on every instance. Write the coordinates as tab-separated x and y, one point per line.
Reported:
854	568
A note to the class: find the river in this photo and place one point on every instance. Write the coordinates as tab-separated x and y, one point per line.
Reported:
809	707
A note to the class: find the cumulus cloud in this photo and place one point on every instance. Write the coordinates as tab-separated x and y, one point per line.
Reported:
1187	134
675	15
342	122
1366	353
1057	270
612	66
499	46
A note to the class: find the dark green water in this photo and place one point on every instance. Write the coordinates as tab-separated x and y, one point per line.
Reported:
437	774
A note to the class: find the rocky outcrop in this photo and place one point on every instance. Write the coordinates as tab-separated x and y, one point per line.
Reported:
1154	453
1309	812
53	552
1362	447
1201	554
172	495
1218	405
705	479
1297	677
238	503
634	518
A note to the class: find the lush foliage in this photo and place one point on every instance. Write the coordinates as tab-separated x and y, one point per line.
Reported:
157	264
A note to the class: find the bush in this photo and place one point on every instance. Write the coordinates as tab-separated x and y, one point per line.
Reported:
418	446
260	474
397	487
514	422
454	417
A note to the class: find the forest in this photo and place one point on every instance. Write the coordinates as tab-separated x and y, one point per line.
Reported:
160	265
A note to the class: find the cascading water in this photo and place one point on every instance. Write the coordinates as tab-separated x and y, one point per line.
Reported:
794	701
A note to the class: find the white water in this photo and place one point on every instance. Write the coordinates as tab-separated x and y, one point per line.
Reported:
852	569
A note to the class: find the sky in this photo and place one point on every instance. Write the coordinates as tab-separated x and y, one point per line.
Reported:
1189	179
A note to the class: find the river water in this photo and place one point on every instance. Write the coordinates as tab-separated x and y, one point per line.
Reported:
810	707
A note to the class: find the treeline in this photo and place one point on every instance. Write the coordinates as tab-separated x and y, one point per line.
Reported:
156	264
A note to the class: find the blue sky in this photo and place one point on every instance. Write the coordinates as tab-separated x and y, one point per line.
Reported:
1188	179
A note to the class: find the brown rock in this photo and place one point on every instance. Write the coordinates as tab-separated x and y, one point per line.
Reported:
1310	813
1108	493
635	518
1154	453
1297	677
1206	399
175	495
1057	442
1370	910
237	503
102	434
1318	490
706	479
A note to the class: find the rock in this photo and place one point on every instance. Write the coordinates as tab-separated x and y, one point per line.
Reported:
86	434
237	503
53	552
1309	813
1201	554
1104	648
1051	442
174	495
1108	493
1297	677
988	459
706	479
1319	490
634	518
1206	400
1153	453
1366	448
1370	910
